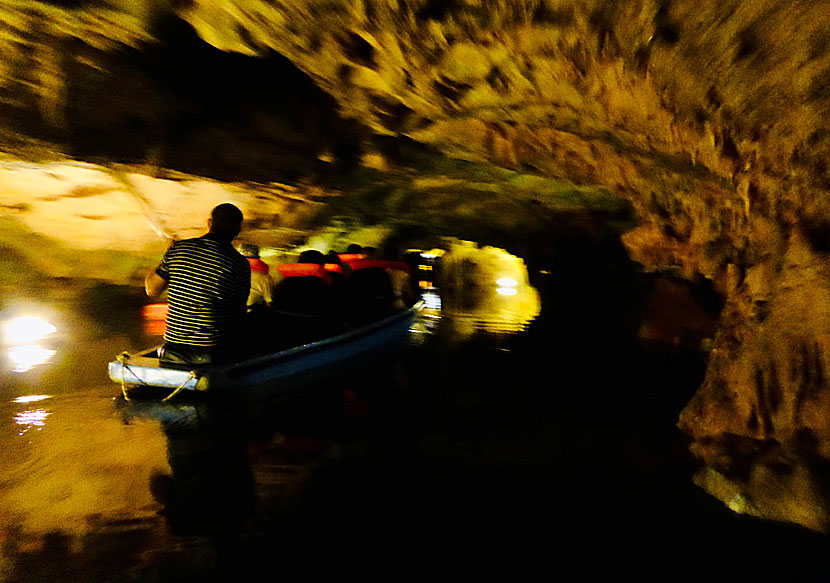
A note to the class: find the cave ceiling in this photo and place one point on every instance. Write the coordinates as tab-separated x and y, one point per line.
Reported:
707	117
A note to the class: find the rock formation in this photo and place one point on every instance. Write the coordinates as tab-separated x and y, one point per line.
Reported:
709	118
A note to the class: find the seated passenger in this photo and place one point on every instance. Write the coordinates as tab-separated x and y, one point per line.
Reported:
333	259
312	256
305	301
403	292
302	290
369	295
261	282
339	272
303	295
353	251
259	321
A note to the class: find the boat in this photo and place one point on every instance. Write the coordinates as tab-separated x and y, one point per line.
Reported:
273	372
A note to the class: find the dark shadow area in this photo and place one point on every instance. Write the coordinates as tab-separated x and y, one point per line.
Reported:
182	104
557	446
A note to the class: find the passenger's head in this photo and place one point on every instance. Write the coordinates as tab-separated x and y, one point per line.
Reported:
370	252
354	248
249	250
333	257
312	256
225	221
389	251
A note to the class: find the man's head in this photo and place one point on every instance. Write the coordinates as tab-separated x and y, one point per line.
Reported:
225	221
312	256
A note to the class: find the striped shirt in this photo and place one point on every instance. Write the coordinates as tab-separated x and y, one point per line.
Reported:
209	282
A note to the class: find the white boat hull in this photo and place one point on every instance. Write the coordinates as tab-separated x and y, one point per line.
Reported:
145	370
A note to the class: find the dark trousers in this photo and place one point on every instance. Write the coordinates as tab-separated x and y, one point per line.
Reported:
174	353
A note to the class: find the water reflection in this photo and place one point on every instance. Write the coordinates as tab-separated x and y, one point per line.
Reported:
786	490
30	398
486	289
25	358
209	490
432	301
415	459
31	418
23	335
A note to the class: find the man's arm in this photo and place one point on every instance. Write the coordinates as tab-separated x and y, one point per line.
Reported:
157	278
154	284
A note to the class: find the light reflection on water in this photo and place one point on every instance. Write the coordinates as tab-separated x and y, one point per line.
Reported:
67	463
22	336
31	418
25	358
486	289
30	398
74	460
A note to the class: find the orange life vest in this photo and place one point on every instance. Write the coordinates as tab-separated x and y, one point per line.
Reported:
304	270
382	263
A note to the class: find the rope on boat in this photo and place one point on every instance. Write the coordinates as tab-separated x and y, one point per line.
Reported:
189	378
125	356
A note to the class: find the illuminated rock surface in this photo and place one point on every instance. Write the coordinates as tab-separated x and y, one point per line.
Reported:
708	118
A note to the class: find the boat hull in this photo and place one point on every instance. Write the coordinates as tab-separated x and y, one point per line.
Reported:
299	363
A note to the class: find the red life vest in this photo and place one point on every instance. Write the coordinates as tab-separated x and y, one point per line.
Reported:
156	311
382	263
258	265
304	270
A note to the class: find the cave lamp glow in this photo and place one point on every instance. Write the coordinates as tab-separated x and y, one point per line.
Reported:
26	330
506	291
506	282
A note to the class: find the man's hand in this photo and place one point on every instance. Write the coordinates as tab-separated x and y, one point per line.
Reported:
154	284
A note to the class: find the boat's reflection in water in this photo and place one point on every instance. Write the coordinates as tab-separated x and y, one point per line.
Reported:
209	491
244	473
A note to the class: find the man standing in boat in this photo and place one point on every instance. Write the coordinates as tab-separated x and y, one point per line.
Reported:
209	282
